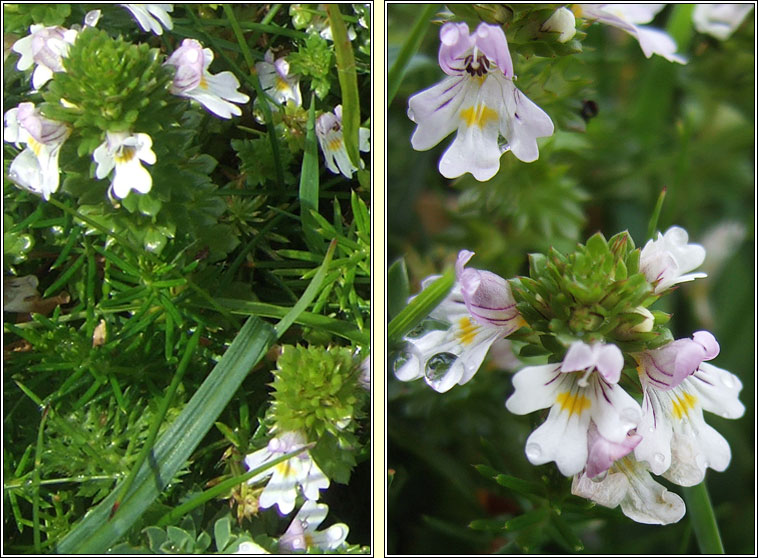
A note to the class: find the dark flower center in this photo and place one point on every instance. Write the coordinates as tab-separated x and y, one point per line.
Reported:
478	66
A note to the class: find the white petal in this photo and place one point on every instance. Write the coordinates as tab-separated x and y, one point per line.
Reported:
656	430
647	501
435	111
654	41
131	176
314	480
475	148
535	388
525	123
608	492
717	390
330	538
281	490
614	411
561	438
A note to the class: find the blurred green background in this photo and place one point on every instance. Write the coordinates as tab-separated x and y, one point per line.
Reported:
687	128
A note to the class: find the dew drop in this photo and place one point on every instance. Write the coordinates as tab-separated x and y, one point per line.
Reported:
400	360
438	366
659	458
651	429
533	451
727	380
701	461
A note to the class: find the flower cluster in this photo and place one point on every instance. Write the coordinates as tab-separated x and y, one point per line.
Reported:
36	167
317	396
589	313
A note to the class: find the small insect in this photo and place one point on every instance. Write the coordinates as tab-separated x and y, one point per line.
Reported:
589	110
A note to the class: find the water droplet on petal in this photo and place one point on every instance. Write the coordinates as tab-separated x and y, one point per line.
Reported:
727	380
438	366
701	461
400	360
533	451
651	429
659	458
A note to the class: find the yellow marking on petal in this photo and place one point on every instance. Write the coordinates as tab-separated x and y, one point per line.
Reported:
125	154
479	115
203	83
577	9
284	468
467	332
35	145
574	404
334	144
682	405
308	540
281	85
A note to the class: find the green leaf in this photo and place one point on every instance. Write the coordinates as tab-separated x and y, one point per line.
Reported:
222	532
309	184
409	48
420	307
398	289
351	110
96	533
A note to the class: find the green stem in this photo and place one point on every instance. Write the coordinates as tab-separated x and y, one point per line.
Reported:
703	519
36	480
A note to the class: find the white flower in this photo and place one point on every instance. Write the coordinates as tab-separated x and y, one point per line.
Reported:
302	534
364	380
46	47
329	134
249	547
626	17
301	470
124	151
152	17
478	311
216	92
629	484
677	442
276	80
666	260
563	22
480	101
36	167
580	390
720	20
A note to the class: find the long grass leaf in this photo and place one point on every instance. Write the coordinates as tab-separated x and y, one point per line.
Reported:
95	534
309	184
351	110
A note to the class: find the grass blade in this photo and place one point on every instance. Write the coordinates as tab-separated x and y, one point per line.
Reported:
95	534
420	306
351	110
309	184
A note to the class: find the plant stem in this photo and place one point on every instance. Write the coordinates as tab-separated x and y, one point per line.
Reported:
703	519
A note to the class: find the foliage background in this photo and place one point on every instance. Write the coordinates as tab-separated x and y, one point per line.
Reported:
689	129
229	245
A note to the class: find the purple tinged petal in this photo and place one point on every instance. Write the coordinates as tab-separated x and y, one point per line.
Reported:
610	361
578	357
602	452
487	296
490	39
455	41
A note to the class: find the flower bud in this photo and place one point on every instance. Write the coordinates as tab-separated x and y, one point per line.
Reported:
563	22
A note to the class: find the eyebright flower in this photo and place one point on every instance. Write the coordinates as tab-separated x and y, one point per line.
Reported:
152	17
329	134
582	390
301	470
677	442
276	80
302	534
720	20
666	260
629	484
480	101
478	311
36	167
562	22
626	17
193	80
124	151
46	47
